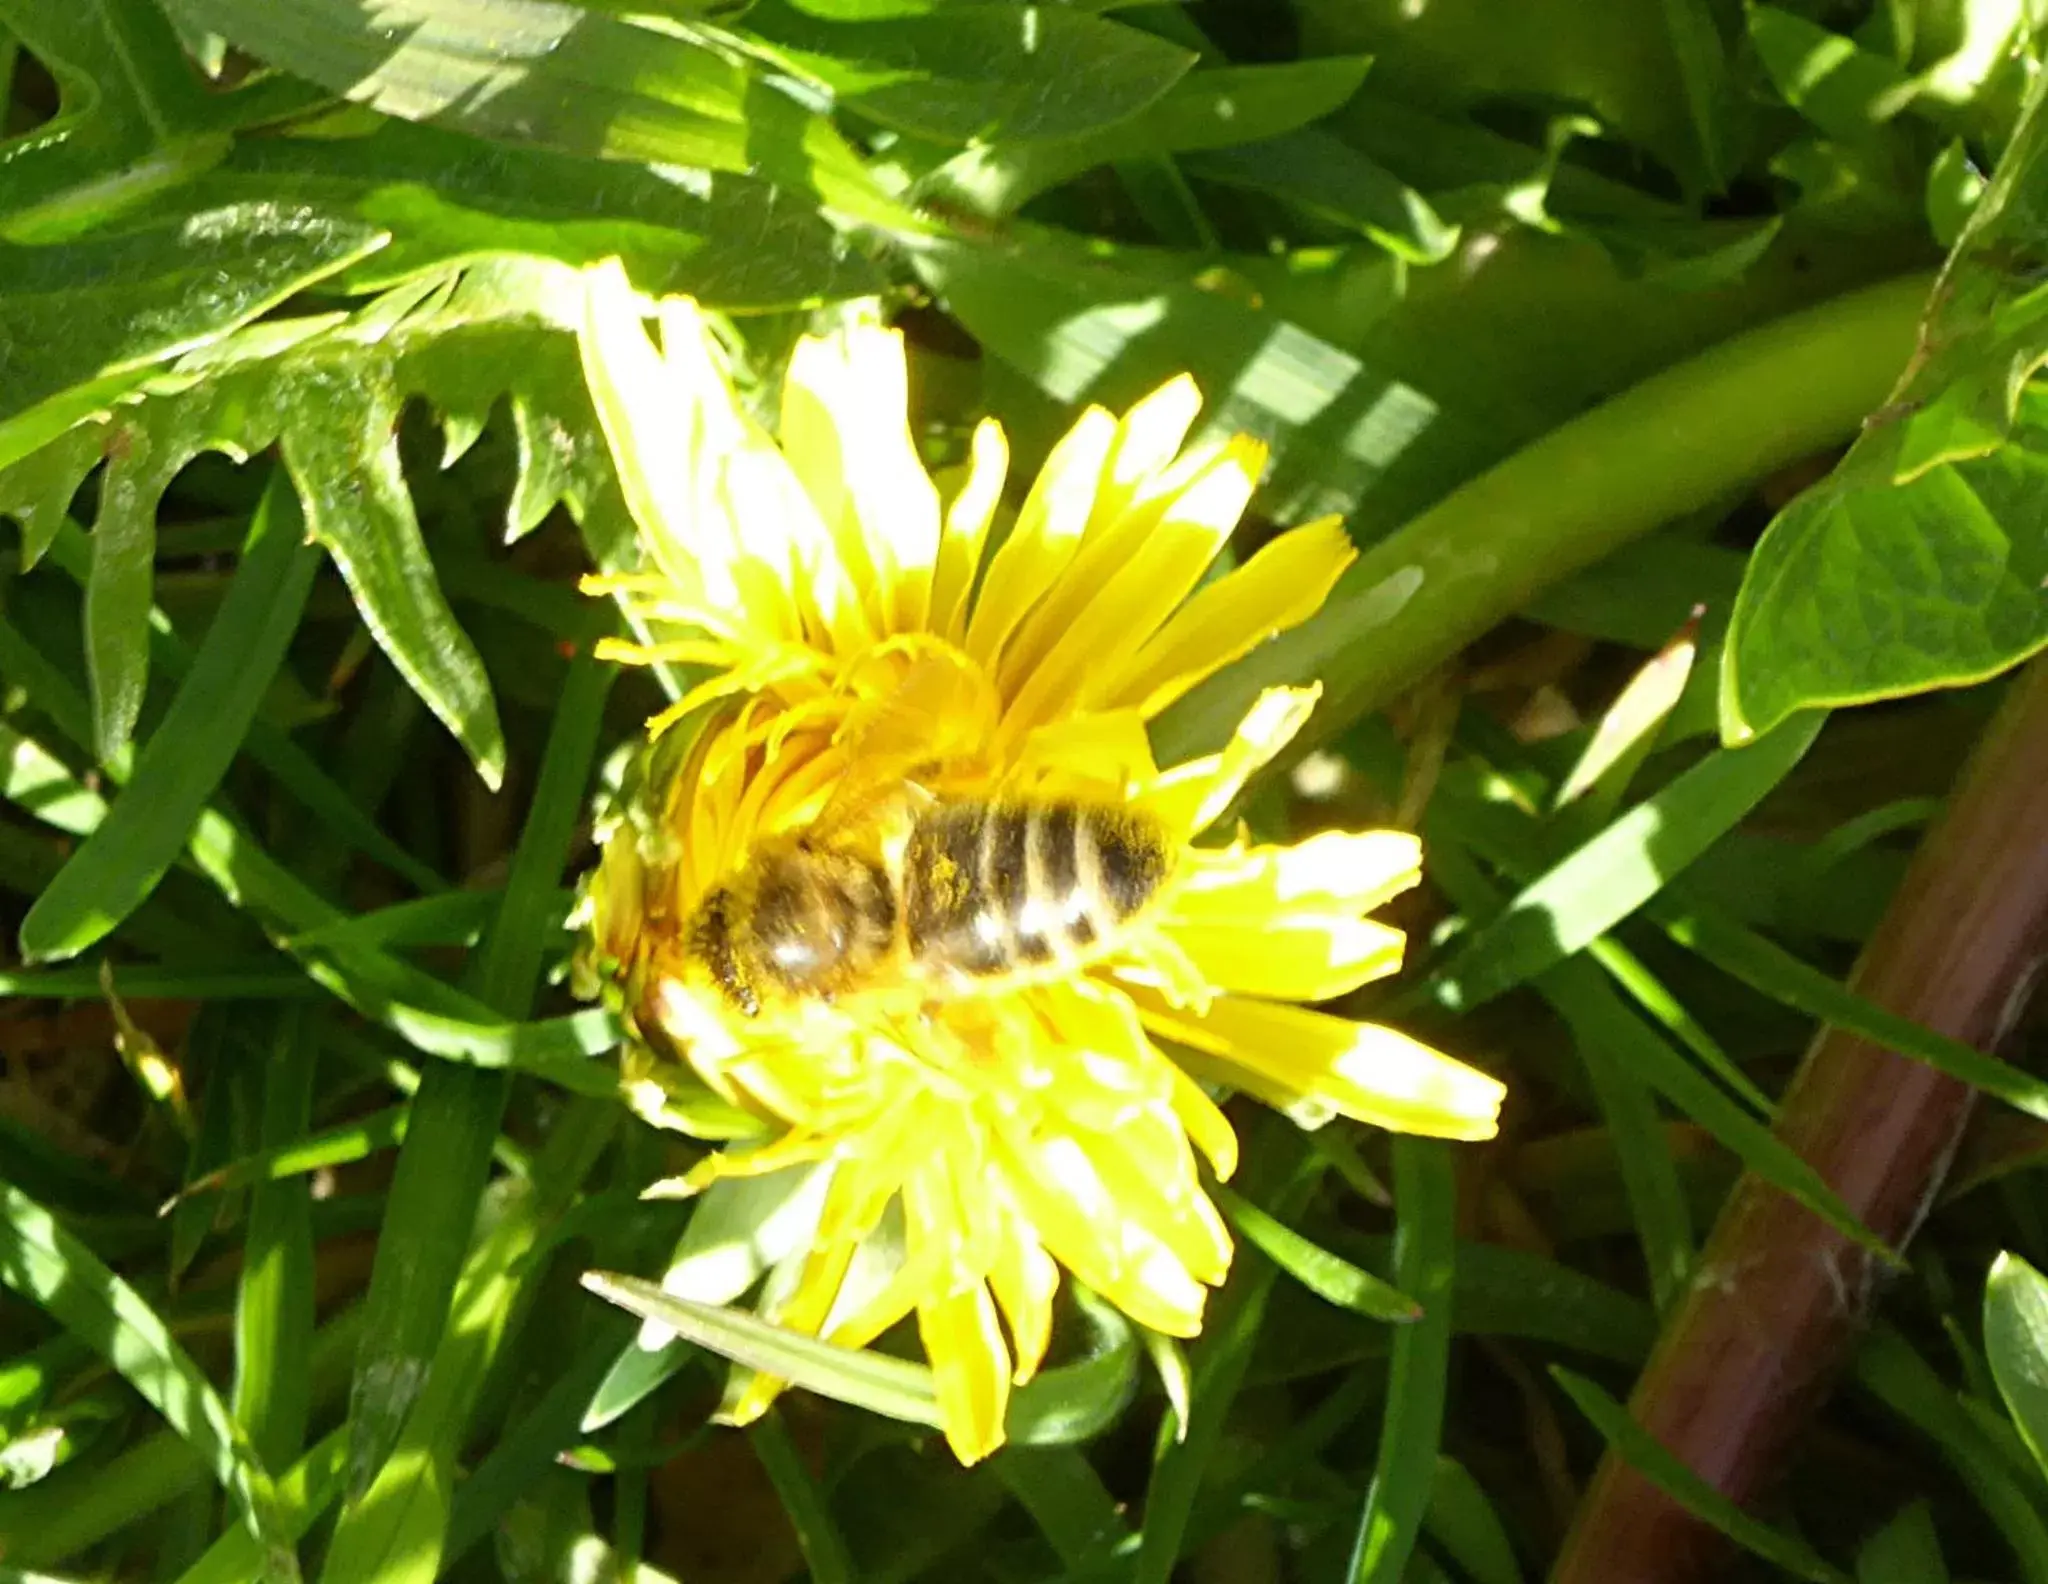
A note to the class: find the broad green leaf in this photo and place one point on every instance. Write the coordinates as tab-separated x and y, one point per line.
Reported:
1711	95
1328	178
979	71
1454	54
180	767
130	115
51	1268
1209	108
1647	1456
1842	89
1425	1256
2016	1343
891	1387
83	322
1865	588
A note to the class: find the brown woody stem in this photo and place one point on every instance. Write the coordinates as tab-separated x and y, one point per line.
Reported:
1778	1297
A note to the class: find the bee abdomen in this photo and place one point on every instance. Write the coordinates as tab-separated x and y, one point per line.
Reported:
992	888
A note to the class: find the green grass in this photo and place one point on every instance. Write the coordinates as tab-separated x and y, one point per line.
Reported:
302	741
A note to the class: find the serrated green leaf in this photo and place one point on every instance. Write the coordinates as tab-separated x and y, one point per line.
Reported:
182	764
341	445
729	240
535	71
979	72
36	491
83	322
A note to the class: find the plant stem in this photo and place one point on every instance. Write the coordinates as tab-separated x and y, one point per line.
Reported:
1779	1296
1681	439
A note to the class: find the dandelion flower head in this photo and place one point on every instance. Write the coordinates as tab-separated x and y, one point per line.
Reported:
855	623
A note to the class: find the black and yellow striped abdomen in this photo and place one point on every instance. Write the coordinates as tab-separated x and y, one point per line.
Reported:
1001	888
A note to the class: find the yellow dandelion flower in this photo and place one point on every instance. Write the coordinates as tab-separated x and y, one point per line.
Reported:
917	899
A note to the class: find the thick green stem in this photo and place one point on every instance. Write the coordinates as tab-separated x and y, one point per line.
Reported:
1679	440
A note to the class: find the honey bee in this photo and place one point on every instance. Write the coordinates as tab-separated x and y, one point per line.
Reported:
975	896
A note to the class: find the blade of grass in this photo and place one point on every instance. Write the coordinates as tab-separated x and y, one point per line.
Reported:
888	1386
395	1523
55	1271
1681	1484
305	1492
274	1306
1611	876
1330	1277
1889	1369
1278	1171
1768	968
824	1548
340	815
352	1141
1425	1212
1066	1498
185	758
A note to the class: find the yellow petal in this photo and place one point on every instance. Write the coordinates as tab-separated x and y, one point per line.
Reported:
1122	588
1282	585
1148	438
1057	1187
1046	537
1356	870
1025	1279
1296	957
846	431
1109	751
1189	798
1364	1070
966	530
970	1362
1207	1126
673	428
